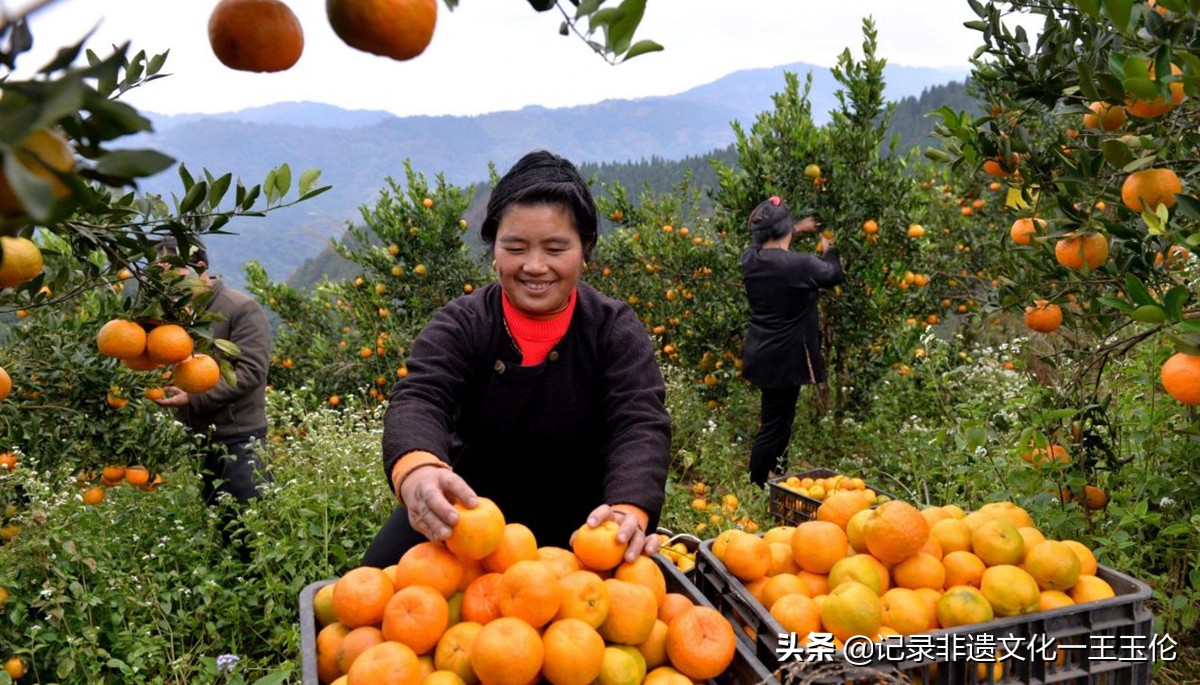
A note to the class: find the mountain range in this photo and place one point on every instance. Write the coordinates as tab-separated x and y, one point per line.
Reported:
357	149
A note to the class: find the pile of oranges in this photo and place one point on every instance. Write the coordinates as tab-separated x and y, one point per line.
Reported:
896	570
822	488
165	345
489	605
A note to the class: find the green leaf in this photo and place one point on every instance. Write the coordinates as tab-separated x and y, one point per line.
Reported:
1134	67
1188	206
1087	82
35	193
1112	87
315	192
185	177
283	179
272	678
1136	290
1189	327
64	98
227	347
587	7
193	198
1113	302
1058	415
1154	223
1119	11
1184	345
308	179
1142	87
66	55
217	190
640	48
603	17
1149	313
1089	7
1116	152
268	185
542	5
1174	300
133	163
156	63
620	31
1139	163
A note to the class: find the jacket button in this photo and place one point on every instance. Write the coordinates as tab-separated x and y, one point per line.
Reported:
498	366
554	355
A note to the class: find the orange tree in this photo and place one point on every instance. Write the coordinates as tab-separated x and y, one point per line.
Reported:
1092	129
872	197
351	337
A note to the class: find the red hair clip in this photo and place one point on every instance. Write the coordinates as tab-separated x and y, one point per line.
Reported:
775	200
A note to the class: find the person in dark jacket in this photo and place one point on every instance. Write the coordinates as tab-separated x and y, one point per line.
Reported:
535	391
232	418
783	343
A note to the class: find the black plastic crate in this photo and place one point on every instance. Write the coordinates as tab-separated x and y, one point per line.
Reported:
1121	620
792	508
746	669
689	541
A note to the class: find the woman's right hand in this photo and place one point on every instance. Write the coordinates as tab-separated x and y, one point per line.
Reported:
429	494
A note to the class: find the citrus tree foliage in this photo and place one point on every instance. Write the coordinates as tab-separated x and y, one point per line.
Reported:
1140	60
354	334
868	196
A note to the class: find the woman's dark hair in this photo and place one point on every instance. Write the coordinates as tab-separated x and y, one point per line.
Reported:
770	220
544	178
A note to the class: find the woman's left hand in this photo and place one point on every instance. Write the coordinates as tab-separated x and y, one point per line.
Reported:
630	531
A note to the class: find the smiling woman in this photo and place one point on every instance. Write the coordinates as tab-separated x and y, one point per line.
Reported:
534	378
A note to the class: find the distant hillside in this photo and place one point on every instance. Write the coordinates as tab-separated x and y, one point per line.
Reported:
657	174
357	150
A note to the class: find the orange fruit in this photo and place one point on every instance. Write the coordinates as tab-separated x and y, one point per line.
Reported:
700	643
963	605
417	616
478	531
1159	106
481	599
1053	565
895	531
1094	498
1023	230
1091	589
1087	560
654	649
137	475
818	545
748	557
722	541
818	583
598	548
797	614
120	338
858	568
44	153
529	591
1180	377
963	568
323	606
255	35
142	362
930	597
905	611
5	383
644	571
516	544
919	570
952	535
387	663
852	609
1054	599
779	534
1010	590
840	506
196	375
1075	250
329	644
1030	537
574	653
453	651
21	259
431	564
168	344
673	604
998	543
93	495
472	569
782	560
399	29
560	561
360	596
1043	317
355	643
1104	116
584	596
632	612
1148	188
622	664
854	531
780	586
507	651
